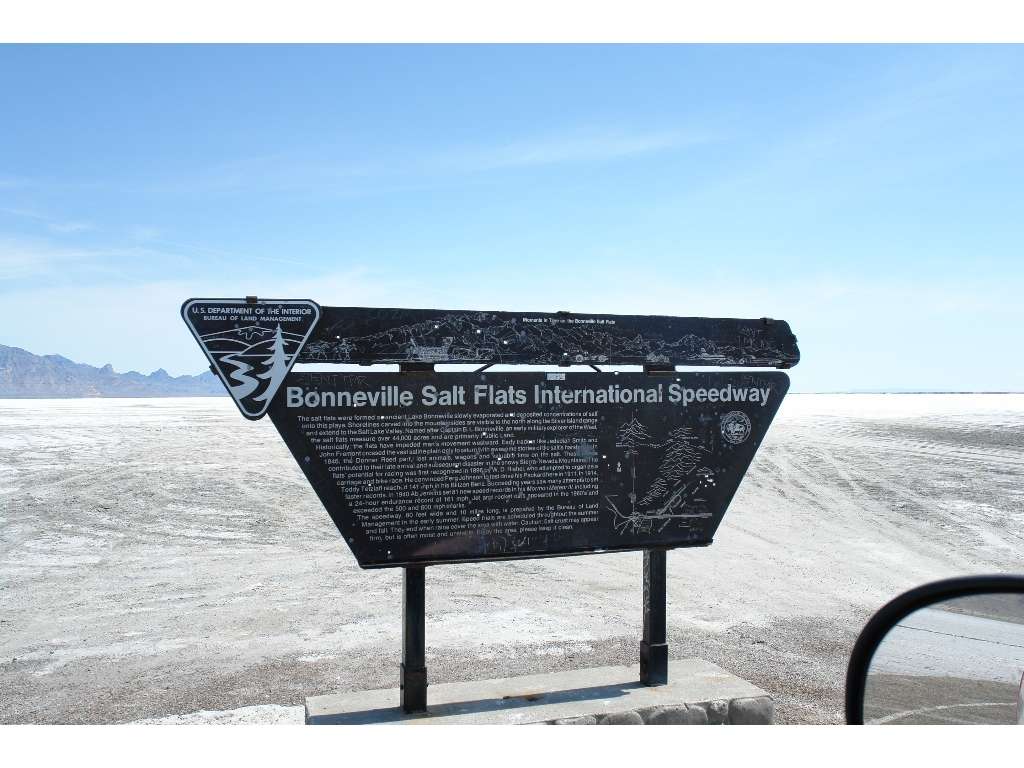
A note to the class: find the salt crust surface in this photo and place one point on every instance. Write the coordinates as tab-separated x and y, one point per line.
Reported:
166	557
260	714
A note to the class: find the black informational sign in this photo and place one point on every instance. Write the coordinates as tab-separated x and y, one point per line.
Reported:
419	466
491	466
430	467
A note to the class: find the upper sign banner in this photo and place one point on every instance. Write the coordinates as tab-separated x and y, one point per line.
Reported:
252	345
361	335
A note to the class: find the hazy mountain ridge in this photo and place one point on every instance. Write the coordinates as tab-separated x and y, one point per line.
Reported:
24	375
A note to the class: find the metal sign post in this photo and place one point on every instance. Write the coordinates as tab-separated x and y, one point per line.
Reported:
413	670
426	467
654	645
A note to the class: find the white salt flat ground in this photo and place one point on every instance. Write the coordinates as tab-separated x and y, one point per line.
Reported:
166	557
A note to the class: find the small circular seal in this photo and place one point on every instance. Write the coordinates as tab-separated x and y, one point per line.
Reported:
735	427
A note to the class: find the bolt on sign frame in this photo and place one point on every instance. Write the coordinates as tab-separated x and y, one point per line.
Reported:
423	467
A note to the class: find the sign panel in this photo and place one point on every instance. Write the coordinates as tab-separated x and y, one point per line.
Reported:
360	335
490	466
251	345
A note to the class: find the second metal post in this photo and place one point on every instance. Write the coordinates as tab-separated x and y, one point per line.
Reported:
413	675
654	645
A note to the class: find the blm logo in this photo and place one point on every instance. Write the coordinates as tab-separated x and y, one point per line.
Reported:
251	345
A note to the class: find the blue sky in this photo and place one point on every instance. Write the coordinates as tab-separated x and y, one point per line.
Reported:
872	196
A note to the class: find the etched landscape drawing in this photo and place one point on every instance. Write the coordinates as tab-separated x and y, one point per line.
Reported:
675	493
352	335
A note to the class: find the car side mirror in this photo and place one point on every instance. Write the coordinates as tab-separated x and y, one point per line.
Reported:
948	652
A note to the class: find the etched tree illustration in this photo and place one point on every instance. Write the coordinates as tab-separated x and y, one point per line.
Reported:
670	496
278	362
631	436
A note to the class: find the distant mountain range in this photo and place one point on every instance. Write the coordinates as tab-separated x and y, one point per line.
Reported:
24	375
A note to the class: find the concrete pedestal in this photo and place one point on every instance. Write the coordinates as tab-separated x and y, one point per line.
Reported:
697	693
